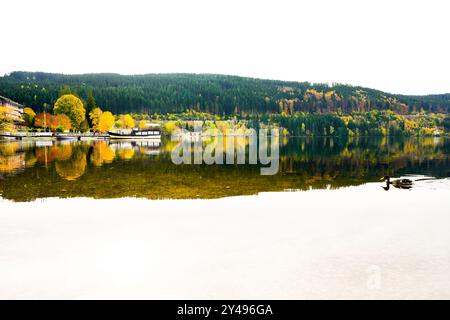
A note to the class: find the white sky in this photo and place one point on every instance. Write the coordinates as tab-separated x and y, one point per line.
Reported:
396	46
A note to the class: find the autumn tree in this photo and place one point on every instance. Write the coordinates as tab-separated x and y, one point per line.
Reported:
94	117
64	122
106	121
43	120
5	113
127	121
171	127
142	124
28	116
72	107
6	122
53	122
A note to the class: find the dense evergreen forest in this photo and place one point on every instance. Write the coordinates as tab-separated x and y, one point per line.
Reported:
216	94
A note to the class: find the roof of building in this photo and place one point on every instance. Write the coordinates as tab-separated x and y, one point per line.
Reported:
16	104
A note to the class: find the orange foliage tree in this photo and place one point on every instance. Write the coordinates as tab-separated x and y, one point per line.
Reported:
64	122
43	120
54	122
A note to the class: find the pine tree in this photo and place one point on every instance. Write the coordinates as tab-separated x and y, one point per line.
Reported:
65	90
90	105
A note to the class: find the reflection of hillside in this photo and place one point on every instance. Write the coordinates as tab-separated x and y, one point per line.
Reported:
325	159
304	164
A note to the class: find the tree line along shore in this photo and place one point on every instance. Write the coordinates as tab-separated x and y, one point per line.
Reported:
222	102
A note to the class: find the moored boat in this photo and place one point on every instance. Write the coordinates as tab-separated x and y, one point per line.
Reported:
136	134
66	137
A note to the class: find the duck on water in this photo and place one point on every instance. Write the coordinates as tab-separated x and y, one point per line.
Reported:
397	183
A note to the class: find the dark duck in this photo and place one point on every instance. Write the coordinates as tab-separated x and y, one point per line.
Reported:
397	183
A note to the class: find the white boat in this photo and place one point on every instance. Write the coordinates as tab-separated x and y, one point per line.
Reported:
136	134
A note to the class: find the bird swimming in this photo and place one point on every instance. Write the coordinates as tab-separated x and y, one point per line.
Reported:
397	183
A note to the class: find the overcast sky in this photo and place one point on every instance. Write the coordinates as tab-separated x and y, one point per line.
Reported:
396	46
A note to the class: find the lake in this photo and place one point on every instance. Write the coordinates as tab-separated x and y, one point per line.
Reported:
35	170
121	220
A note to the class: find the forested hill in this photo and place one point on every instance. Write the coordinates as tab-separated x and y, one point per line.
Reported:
219	94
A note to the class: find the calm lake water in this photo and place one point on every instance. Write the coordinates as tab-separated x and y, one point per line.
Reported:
34	170
120	220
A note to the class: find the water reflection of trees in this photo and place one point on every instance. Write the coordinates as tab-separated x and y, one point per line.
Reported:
101	153
125	154
72	168
12	163
304	163
48	154
12	159
365	157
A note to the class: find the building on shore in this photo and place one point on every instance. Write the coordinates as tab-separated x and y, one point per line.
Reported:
12	110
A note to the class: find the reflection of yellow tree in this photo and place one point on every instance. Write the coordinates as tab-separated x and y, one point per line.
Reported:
168	146
63	151
30	161
72	169
125	154
12	157
11	163
9	149
102	153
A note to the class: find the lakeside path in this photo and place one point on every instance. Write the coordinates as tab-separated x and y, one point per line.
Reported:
355	242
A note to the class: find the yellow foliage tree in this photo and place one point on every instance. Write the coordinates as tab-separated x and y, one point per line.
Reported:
127	121
28	116
72	107
95	115
142	124
6	120
171	126
106	122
